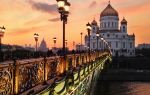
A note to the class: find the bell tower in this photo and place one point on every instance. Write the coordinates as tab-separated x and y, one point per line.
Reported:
123	27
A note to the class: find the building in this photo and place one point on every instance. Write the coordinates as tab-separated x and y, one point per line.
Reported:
120	42
29	47
80	47
43	46
143	46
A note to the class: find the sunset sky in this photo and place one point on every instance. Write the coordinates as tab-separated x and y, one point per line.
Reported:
23	18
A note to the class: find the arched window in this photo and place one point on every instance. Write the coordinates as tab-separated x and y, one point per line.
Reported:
124	29
123	36
93	45
108	24
108	35
93	28
116	36
124	45
116	44
130	45
105	24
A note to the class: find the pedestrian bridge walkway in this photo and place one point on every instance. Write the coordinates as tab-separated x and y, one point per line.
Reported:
75	74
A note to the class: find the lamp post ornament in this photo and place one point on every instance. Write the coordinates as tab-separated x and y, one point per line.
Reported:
36	37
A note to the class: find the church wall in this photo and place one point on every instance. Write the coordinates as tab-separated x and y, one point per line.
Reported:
109	22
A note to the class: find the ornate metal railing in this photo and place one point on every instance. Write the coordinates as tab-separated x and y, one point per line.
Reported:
79	81
20	76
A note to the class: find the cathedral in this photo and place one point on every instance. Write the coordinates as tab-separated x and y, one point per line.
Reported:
120	43
43	46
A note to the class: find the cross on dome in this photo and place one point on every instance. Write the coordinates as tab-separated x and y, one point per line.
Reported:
109	1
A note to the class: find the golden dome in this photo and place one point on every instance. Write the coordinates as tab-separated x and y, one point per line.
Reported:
94	22
109	11
124	21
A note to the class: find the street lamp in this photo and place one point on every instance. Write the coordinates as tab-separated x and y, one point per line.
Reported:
88	25
54	39
97	35
2	31
63	8
36	37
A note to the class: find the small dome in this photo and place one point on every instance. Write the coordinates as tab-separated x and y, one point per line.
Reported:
123	21
109	11
94	22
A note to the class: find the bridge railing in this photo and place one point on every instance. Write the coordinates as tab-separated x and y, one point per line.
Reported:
78	81
21	75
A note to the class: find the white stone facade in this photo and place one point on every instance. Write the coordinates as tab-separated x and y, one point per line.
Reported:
120	42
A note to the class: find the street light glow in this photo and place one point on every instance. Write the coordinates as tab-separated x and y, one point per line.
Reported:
61	3
54	38
102	38
2	30
36	35
67	6
97	35
88	26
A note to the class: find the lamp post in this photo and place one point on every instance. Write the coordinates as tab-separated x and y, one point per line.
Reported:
88	30
63	8
2	31
81	42
102	43
36	37
97	35
81	37
73	45
54	39
88	25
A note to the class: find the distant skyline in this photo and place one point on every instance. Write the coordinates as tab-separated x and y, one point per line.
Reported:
23	18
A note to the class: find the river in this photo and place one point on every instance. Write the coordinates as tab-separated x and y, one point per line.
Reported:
122	88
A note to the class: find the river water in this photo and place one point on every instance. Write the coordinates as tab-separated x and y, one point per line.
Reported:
122	88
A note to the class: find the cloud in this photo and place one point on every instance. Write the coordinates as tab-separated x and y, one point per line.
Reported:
93	4
54	19
44	7
23	31
136	8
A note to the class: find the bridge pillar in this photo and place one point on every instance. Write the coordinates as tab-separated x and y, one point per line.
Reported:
15	78
45	69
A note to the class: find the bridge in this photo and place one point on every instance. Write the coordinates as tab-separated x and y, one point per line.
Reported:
75	74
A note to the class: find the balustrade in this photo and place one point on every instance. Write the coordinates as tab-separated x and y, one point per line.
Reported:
21	75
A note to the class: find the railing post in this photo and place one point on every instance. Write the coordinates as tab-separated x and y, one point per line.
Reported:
74	61
15	78
45	69
67	63
80	59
